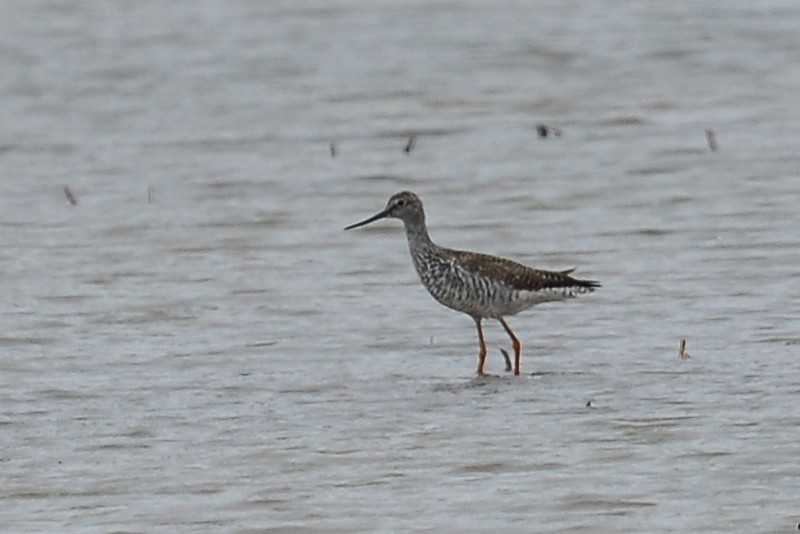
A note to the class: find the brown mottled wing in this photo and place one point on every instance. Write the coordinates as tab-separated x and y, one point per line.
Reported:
517	275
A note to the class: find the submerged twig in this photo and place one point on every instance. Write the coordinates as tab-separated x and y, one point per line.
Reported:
70	196
711	138
412	140
544	130
508	361
682	350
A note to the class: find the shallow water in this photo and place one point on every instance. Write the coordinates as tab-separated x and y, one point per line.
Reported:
225	357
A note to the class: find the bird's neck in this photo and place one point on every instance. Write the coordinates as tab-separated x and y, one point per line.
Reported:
418	238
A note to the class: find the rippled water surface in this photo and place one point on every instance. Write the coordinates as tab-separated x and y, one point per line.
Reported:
196	345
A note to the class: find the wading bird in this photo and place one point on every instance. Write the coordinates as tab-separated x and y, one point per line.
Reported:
480	285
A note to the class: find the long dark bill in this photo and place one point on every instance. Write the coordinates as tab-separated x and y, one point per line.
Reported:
374	218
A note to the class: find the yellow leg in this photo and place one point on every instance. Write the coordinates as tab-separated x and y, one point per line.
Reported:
482	354
517	345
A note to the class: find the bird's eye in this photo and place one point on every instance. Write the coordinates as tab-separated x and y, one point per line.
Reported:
401	203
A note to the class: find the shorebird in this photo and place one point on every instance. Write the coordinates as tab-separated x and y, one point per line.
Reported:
480	285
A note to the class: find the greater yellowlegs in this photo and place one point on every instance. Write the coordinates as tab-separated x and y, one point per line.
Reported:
479	285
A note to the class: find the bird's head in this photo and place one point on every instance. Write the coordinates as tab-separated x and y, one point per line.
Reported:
404	205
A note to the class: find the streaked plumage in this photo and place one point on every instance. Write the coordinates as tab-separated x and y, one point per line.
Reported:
480	285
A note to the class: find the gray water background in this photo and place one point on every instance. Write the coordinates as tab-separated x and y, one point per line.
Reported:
224	358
